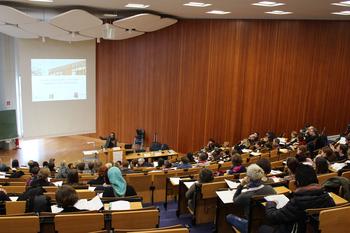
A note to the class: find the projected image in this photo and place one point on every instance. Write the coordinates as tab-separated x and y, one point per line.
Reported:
58	79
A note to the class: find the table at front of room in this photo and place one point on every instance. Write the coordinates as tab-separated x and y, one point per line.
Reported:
169	154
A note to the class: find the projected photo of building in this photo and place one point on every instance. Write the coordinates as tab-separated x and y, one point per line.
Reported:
76	68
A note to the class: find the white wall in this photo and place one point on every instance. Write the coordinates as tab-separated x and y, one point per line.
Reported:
7	72
57	118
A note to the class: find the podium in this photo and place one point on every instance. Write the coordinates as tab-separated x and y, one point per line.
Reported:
105	155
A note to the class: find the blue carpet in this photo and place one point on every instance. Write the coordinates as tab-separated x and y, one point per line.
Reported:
168	218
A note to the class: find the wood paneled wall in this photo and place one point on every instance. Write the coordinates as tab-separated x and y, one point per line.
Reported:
224	79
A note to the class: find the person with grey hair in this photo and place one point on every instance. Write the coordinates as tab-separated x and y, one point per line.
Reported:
254	185
62	170
141	162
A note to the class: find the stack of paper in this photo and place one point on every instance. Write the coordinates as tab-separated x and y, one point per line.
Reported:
13	198
175	180
275	172
91	188
281	200
246	150
189	184
226	196
231	184
55	209
338	166
255	153
58	183
94	204
119	205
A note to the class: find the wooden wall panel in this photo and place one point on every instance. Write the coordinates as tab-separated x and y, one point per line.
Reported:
224	79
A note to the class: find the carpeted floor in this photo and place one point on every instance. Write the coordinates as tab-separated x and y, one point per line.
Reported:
168	218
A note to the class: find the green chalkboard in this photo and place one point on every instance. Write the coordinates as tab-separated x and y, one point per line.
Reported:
8	124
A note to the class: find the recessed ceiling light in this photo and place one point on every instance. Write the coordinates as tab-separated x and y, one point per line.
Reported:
279	12
110	15
136	5
345	3
41	0
341	13
268	4
217	12
197	4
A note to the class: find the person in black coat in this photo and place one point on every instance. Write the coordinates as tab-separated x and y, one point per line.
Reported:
111	140
309	194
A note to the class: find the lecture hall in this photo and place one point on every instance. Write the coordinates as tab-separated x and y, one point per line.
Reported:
174	116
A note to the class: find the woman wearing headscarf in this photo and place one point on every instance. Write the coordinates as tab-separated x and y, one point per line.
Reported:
116	185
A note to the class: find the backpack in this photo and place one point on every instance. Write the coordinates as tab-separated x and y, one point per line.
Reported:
335	183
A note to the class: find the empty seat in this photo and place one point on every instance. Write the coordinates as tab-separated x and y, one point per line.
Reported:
79	223
20	224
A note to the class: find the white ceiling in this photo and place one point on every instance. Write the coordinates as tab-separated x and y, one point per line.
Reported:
240	9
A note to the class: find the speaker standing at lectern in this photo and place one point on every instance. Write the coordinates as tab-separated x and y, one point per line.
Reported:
110	140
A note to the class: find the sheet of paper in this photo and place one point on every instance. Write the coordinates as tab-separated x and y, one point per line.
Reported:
226	196
100	195
155	164
232	184
90	152
82	204
13	198
171	152
2	176
91	188
55	209
280	199
95	204
189	184
276	179
119	205
275	172
246	150
175	180
58	183
284	151
338	166
49	179
342	140
116	148
255	153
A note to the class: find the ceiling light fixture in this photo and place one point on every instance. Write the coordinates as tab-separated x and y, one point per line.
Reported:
43	39
341	13
268	4
344	3
218	12
197	4
41	0
98	40
108	32
279	12
136	5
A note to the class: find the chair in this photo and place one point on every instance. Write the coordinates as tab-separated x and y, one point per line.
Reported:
159	186
277	164
292	186
19	183
253	159
135	219
15	207
324	177
265	155
213	167
334	220
50	188
14	189
85	194
346	174
20	224
79	223
149	229
142	184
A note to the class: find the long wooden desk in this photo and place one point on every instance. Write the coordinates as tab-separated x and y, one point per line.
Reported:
152	154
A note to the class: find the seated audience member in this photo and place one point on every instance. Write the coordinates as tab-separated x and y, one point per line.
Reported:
211	145
70	166
237	166
321	165
81	167
190	157
62	170
52	167
309	195
15	164
42	179
265	164
341	152
45	164
303	155
203	160
327	153
116	185
141	162
254	185
205	176
91	167
185	163
72	178
125	168
100	180
167	164
160	164
3	195
292	164
34	172
66	197
3	167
